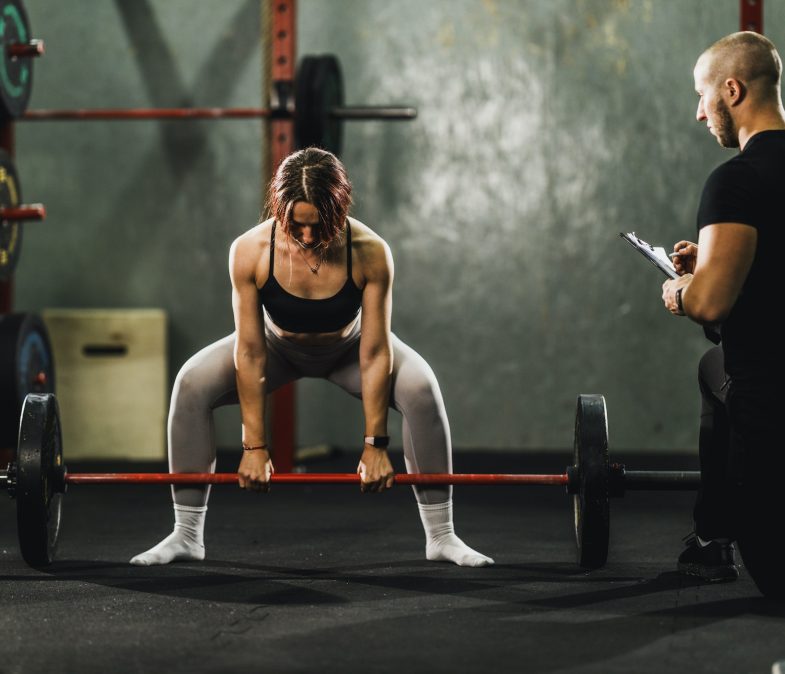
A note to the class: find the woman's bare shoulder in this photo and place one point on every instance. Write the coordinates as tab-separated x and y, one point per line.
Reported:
248	249
370	249
253	240
367	242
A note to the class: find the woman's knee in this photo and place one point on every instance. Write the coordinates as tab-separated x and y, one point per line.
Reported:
195	385
186	389
418	393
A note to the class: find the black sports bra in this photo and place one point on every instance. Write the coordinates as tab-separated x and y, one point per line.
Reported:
298	314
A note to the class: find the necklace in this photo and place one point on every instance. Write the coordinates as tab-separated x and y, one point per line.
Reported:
314	270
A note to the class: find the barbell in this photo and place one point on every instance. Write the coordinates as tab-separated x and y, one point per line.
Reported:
314	101
38	479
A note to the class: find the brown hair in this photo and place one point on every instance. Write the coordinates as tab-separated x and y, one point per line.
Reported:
748	56
317	177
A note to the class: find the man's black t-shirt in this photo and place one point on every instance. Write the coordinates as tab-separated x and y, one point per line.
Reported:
750	189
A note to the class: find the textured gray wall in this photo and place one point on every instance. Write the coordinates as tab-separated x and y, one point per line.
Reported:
545	129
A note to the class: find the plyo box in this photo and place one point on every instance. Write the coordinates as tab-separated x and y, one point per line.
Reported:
111	374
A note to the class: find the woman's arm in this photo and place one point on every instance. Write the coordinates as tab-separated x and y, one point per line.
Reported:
250	356
376	360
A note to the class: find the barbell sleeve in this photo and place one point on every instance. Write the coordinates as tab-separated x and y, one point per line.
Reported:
23	212
371	112
661	480
26	49
311	478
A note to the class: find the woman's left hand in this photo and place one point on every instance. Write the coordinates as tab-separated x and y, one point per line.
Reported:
376	471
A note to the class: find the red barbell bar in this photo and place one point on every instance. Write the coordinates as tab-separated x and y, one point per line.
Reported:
309	478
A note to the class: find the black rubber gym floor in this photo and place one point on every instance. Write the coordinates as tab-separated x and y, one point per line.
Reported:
324	579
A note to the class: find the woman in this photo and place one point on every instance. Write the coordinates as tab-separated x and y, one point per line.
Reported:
312	297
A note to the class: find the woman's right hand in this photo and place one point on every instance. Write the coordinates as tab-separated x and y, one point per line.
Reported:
684	262
255	470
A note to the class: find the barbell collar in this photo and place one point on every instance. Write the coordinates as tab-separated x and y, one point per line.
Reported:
371	112
661	480
616	477
33	48
23	212
8	479
573	480
311	478
282	99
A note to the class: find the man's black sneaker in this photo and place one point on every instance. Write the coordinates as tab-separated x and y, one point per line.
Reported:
714	562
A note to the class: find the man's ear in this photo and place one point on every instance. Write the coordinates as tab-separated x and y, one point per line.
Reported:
735	90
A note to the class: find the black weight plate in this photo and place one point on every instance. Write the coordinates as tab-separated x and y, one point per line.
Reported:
38	497
26	366
590	505
10	231
16	74
319	89
304	114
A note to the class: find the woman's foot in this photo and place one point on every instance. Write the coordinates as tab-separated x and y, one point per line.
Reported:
185	543
441	543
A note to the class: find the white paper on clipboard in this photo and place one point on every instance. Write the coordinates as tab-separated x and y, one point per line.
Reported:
654	254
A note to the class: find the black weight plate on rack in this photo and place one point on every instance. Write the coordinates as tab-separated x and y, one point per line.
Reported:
26	366
39	495
10	230
16	73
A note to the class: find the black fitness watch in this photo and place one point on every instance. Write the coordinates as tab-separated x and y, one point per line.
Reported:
379	441
679	305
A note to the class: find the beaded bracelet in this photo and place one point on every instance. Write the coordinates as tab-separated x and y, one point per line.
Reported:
247	448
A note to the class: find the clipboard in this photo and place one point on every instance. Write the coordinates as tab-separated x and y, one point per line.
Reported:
654	254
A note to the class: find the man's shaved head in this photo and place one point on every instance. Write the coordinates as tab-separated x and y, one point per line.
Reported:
746	56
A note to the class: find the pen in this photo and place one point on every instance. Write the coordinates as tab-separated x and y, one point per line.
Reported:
678	254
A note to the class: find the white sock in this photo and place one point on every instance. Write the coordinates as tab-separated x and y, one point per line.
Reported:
441	543
185	543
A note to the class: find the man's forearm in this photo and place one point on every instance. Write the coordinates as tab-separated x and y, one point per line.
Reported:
700	304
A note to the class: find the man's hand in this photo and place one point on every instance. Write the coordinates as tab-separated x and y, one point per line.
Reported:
684	262
255	470
669	289
375	469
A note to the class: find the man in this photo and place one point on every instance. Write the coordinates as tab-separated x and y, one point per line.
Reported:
731	278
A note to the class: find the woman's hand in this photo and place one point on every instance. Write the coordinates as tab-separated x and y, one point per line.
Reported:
376	471
684	262
255	470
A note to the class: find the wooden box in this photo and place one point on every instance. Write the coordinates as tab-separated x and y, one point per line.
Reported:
111	377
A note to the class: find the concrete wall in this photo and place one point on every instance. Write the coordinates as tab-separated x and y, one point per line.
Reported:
545	129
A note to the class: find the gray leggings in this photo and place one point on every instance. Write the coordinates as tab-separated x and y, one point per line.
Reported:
207	381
